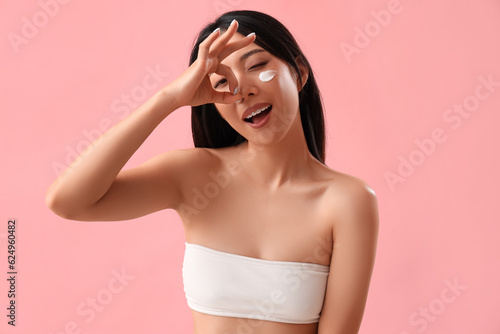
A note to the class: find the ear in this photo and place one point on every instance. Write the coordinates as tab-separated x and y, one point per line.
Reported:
304	73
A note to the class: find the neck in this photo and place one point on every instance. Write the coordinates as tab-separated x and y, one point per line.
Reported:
273	165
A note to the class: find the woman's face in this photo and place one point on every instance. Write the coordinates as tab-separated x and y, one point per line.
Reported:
263	80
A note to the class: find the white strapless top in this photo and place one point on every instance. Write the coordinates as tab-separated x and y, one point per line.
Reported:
232	285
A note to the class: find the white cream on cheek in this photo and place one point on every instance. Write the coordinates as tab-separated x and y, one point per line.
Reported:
266	76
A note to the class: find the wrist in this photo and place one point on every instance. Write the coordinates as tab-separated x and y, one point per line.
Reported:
167	98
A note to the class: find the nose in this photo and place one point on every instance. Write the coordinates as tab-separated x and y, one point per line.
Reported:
247	86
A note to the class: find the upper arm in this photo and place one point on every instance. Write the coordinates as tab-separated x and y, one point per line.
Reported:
355	234
150	187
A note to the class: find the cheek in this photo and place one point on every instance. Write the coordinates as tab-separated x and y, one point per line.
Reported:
289	97
267	76
286	83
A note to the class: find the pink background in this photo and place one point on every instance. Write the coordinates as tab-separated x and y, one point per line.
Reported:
67	80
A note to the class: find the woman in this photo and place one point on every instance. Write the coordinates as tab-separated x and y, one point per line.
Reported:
276	242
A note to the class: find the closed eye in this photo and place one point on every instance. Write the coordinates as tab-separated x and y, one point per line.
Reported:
261	64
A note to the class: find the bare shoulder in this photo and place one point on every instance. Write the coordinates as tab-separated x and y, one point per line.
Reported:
349	200
186	161
190	166
341	186
350	187
187	155
180	167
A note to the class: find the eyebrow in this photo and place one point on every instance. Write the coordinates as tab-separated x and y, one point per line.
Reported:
249	53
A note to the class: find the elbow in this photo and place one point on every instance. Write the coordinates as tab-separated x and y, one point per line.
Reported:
52	202
58	206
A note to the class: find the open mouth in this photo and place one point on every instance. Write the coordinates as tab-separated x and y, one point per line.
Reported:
258	115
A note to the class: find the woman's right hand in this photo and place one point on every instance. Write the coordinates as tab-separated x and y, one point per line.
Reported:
193	87
95	187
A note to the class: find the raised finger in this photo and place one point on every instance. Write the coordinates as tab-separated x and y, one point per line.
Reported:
231	47
204	46
221	42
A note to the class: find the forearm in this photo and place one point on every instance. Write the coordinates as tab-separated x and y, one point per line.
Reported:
90	176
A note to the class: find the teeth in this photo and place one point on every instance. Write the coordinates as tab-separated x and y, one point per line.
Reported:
256	112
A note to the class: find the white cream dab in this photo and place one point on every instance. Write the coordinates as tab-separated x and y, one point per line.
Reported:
267	75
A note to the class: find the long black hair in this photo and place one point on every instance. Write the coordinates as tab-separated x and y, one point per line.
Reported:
211	130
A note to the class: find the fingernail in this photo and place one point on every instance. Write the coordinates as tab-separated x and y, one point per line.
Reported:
251	34
235	91
238	101
232	22
215	30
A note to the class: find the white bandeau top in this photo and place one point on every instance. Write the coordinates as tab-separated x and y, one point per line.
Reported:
232	285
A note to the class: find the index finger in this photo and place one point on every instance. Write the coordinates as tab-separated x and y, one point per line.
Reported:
222	40
231	47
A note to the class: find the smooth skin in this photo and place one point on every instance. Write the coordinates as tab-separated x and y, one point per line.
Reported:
273	199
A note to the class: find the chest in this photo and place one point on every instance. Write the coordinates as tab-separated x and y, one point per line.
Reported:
290	225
